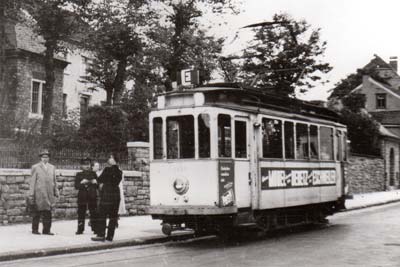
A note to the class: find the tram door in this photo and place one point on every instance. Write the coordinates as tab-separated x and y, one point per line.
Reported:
242	161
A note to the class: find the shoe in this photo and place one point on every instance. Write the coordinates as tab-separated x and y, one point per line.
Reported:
79	232
99	238
35	233
109	239
48	233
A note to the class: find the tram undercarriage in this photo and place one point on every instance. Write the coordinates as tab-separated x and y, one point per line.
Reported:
263	220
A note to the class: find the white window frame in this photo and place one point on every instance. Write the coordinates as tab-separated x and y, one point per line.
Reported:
39	114
381	98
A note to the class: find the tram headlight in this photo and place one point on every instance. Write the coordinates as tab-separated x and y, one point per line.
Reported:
181	186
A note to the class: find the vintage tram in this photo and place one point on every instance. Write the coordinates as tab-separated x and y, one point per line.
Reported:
223	156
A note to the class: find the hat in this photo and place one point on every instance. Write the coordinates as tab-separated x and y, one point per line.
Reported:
44	152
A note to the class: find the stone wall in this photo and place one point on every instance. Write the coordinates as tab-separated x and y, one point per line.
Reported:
365	174
14	186
390	151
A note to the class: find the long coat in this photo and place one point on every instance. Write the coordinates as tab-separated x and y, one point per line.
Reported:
110	178
87	192
43	186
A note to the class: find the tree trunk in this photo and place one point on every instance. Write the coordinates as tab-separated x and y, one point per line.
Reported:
5	119
48	92
2	56
119	81
109	92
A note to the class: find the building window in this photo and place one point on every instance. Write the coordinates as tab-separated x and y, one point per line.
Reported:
84	105
37	97
85	65
380	101
64	106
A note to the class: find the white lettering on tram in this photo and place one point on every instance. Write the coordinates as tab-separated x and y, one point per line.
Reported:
283	178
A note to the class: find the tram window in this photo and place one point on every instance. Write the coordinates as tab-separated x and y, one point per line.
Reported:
289	140
344	146
204	135
240	139
314	149
326	137
301	141
338	145
180	137
157	138
272	138
224	136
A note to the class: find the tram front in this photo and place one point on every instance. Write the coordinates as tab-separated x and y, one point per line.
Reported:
192	183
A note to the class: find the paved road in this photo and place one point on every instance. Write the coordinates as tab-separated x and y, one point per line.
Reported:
369	237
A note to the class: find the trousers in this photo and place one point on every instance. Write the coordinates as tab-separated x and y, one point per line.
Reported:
46	220
82	208
108	210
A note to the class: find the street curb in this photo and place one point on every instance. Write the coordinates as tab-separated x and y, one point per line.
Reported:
93	247
370	205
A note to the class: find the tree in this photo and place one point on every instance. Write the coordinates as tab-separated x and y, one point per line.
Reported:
104	129
363	132
284	55
136	104
55	21
116	38
182	43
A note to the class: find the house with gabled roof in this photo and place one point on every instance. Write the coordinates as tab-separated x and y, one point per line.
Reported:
382	94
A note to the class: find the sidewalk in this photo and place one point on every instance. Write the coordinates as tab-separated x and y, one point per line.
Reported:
16	241
360	201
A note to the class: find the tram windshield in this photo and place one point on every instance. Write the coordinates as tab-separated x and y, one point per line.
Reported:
180	137
204	135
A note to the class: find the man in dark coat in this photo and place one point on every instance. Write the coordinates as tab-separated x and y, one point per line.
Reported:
109	200
86	183
42	193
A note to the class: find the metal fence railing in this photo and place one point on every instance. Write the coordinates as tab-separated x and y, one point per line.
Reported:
23	157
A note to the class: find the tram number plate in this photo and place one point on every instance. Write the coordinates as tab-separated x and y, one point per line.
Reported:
289	178
226	181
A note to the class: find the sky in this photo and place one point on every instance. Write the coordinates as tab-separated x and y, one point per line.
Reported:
355	30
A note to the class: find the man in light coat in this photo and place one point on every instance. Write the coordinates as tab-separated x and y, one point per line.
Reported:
43	193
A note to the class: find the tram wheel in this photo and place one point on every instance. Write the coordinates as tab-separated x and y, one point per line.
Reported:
166	229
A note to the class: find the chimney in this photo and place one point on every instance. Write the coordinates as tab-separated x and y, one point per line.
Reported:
393	63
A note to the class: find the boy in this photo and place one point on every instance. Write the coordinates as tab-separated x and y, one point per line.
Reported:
86	183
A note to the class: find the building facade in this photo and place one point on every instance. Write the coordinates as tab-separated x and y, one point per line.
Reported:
382	94
22	97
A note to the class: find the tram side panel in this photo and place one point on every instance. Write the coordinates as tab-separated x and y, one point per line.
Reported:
288	186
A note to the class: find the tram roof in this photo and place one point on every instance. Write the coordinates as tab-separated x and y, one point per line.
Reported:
253	97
